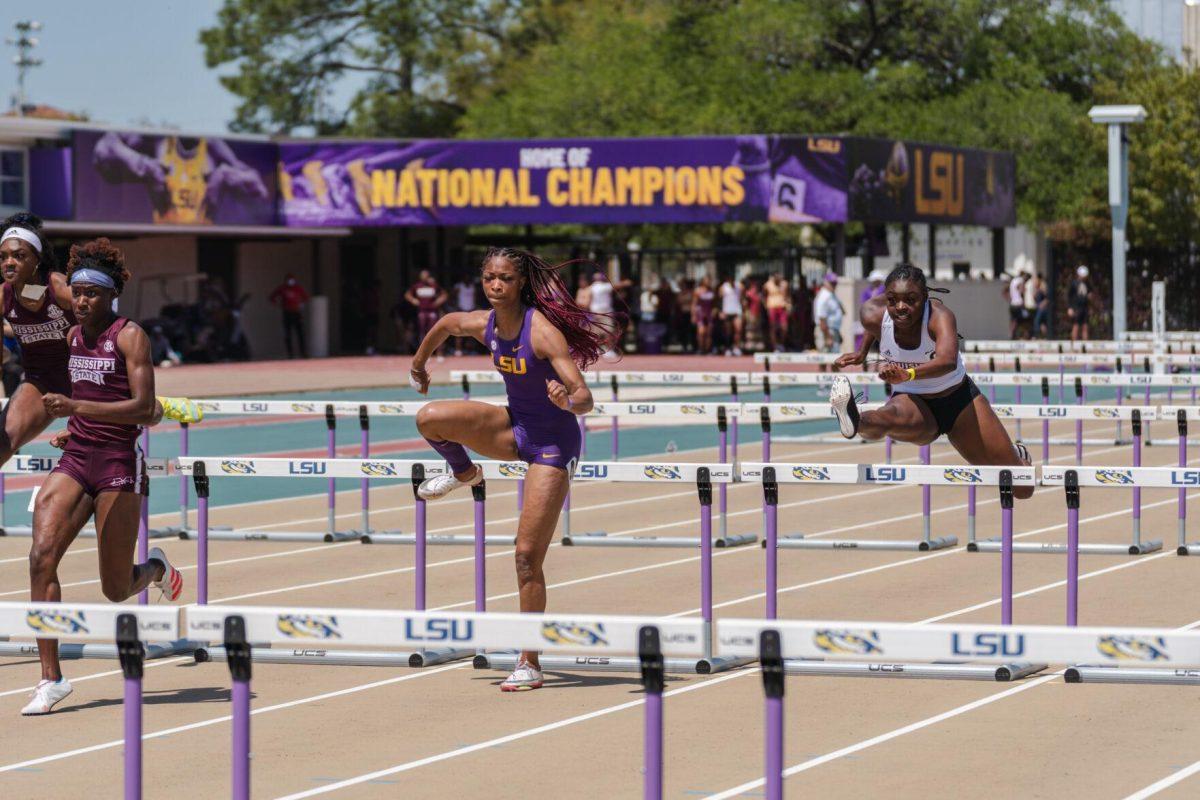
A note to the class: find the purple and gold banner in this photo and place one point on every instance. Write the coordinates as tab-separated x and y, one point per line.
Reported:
173	180
897	181
597	181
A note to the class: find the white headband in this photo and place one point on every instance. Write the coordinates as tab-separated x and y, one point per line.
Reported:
24	235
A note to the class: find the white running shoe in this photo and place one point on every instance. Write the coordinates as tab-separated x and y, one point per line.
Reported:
841	397
441	485
523	678
171	583
46	696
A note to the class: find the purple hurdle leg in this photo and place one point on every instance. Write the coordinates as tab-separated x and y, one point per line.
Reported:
1018	388
970	516
364	452
1072	488
653	682
200	477
479	492
520	495
1006	559
723	456
419	525
770	657
925	497
129	651
771	506
237	653
1181	415
887	449
331	451
143	546
183	481
616	437
733	388
1080	399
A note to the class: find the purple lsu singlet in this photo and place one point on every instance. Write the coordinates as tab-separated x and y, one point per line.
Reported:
545	433
100	456
43	338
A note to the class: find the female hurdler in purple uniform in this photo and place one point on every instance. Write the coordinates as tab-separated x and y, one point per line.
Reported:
99	473
539	340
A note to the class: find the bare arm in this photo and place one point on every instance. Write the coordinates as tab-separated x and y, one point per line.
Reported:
572	394
458	323
141	408
60	291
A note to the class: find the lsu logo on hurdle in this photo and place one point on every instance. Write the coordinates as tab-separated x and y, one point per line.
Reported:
511	364
307	468
848	642
236	467
377	469
591	471
390	408
1114	477
57	621
792	411
1185	477
987	645
810	473
1132	648
662	472
259	407
513	469
962	475
208	408
687	408
308	626
1106	413
884	474
304	407
35	463
574	633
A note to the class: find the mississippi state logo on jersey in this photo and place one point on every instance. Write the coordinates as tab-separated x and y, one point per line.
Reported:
53	311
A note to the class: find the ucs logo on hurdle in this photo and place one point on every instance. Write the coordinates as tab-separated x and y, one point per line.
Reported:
57	621
1133	648
575	633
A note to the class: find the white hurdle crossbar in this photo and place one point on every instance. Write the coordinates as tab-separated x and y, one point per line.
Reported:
777	644
583	636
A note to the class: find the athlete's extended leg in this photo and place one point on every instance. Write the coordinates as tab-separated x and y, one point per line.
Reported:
901	417
545	489
117	515
60	512
980	438
24	418
451	426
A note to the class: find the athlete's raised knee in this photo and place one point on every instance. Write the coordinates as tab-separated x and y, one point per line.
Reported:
429	419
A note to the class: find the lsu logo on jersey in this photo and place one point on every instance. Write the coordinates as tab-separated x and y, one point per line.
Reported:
1133	648
662	472
574	633
1106	413
844	641
511	364
810	473
962	475
235	467
308	626
513	469
377	469
65	622
1115	477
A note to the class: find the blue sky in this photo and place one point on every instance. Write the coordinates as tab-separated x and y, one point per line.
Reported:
122	61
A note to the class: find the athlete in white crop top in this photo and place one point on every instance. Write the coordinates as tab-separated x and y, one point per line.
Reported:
932	395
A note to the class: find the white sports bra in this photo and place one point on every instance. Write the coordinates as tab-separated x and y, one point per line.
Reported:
923	354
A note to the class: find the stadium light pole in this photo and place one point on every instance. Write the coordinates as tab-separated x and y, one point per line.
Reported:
1116	118
24	44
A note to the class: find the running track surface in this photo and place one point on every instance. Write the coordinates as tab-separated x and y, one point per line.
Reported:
448	731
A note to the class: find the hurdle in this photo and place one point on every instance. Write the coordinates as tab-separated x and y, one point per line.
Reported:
923	475
703	476
1071	480
131	628
677	414
650	639
775	642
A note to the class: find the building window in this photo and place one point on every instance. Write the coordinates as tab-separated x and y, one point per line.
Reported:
12	180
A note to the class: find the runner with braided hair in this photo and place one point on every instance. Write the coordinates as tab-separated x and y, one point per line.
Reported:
540	340
932	395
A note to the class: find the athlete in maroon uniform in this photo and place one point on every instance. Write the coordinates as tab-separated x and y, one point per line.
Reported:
37	307
112	381
428	297
540	339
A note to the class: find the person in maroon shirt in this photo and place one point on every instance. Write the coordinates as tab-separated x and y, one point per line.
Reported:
100	472
36	304
428	297
291	297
